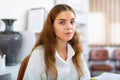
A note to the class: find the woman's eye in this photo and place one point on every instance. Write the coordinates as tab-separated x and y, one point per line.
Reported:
72	22
62	22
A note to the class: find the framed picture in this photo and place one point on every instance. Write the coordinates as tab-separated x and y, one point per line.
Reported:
36	17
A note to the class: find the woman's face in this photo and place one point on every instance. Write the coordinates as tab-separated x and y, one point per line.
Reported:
64	25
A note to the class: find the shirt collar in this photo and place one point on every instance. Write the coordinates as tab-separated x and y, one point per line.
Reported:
71	53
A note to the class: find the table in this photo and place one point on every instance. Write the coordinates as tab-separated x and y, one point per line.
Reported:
108	76
10	72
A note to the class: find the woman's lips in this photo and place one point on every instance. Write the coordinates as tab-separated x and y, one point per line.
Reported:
69	33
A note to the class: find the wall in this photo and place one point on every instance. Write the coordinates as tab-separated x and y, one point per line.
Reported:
18	9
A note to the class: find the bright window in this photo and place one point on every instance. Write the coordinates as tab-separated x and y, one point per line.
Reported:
104	23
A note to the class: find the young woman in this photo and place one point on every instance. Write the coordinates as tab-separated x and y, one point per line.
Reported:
57	54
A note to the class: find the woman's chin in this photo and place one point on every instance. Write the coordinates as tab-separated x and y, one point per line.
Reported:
68	38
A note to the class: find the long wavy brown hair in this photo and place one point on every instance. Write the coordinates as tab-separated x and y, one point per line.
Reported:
47	38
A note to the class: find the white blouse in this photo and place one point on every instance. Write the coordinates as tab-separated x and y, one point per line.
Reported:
66	70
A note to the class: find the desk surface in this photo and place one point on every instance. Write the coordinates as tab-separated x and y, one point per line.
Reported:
10	69
108	76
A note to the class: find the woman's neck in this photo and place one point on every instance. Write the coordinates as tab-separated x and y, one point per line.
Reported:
62	50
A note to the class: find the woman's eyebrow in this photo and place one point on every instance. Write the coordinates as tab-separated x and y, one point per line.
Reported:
65	19
73	19
62	19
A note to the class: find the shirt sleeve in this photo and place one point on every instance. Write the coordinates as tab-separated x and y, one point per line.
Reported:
35	69
86	73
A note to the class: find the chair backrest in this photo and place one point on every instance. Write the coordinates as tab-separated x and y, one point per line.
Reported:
98	55
23	68
117	54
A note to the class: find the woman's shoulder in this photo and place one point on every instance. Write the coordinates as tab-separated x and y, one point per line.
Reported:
36	61
38	52
39	49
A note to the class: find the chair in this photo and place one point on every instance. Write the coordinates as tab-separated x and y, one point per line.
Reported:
23	68
98	60
117	59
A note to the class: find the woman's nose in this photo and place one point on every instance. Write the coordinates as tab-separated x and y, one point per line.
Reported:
68	26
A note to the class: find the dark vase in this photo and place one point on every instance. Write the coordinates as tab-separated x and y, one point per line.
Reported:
10	42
